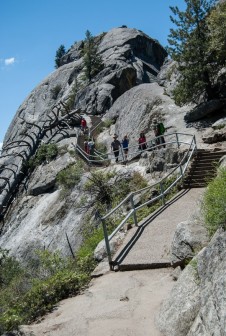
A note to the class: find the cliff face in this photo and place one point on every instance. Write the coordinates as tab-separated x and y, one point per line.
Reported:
31	207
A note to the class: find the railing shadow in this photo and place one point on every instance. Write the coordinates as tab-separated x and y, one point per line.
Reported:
140	229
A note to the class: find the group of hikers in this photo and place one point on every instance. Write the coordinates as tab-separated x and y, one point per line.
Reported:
116	145
159	130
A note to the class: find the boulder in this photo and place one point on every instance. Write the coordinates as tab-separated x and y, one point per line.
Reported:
214	135
180	309
168	76
44	177
196	305
204	109
221	123
189	238
210	319
100	252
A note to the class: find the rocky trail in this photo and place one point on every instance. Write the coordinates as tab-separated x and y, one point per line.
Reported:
125	303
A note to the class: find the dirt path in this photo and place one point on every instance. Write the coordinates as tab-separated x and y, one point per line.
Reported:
119	304
125	303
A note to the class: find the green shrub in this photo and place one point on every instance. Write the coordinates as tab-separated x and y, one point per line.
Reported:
101	147
70	176
44	153
214	203
55	91
108	122
29	293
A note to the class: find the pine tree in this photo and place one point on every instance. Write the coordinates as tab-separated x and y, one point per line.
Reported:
92	60
59	53
189	46
217	27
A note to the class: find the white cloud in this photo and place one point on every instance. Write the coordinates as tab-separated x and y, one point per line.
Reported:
9	61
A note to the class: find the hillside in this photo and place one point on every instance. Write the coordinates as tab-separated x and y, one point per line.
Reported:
131	89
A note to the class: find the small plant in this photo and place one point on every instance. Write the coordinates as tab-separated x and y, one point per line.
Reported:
70	101
108	122
101	147
55	91
70	176
45	153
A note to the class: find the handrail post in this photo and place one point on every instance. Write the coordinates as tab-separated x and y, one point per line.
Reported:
181	172
123	156
108	249
134	210
178	144
195	144
162	193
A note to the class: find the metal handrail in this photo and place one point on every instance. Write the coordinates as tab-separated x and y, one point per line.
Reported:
132	153
182	166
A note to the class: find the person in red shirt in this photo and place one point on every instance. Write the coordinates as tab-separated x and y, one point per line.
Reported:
142	141
83	124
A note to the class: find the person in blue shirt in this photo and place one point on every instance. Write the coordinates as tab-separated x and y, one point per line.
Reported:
125	145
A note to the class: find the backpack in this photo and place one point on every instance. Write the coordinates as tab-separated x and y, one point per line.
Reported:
91	145
161	128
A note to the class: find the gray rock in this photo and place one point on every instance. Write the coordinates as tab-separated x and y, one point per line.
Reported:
179	311
196	306
189	238
210	319
221	123
168	76
214	135
100	252
129	57
44	178
176	273
203	110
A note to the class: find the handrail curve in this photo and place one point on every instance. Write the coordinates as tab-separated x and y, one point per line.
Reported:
179	171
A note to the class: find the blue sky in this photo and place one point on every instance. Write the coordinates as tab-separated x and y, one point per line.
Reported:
32	30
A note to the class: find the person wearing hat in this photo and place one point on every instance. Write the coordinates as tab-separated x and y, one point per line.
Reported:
115	145
159	130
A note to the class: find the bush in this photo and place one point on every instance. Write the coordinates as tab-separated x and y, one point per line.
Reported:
51	278
214	203
44	153
70	176
108	122
55	91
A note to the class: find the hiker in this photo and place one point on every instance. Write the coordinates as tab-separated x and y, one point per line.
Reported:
86	148
125	144
115	145
142	141
91	147
159	130
83	124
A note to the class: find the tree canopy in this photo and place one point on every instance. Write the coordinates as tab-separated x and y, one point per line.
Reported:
190	47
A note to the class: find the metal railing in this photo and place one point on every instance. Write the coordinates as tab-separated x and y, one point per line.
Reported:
159	187
152	144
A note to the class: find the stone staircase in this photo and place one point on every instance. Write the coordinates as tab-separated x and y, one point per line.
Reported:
203	168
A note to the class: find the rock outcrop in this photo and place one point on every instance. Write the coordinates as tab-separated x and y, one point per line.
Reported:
196	305
50	114
189	238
